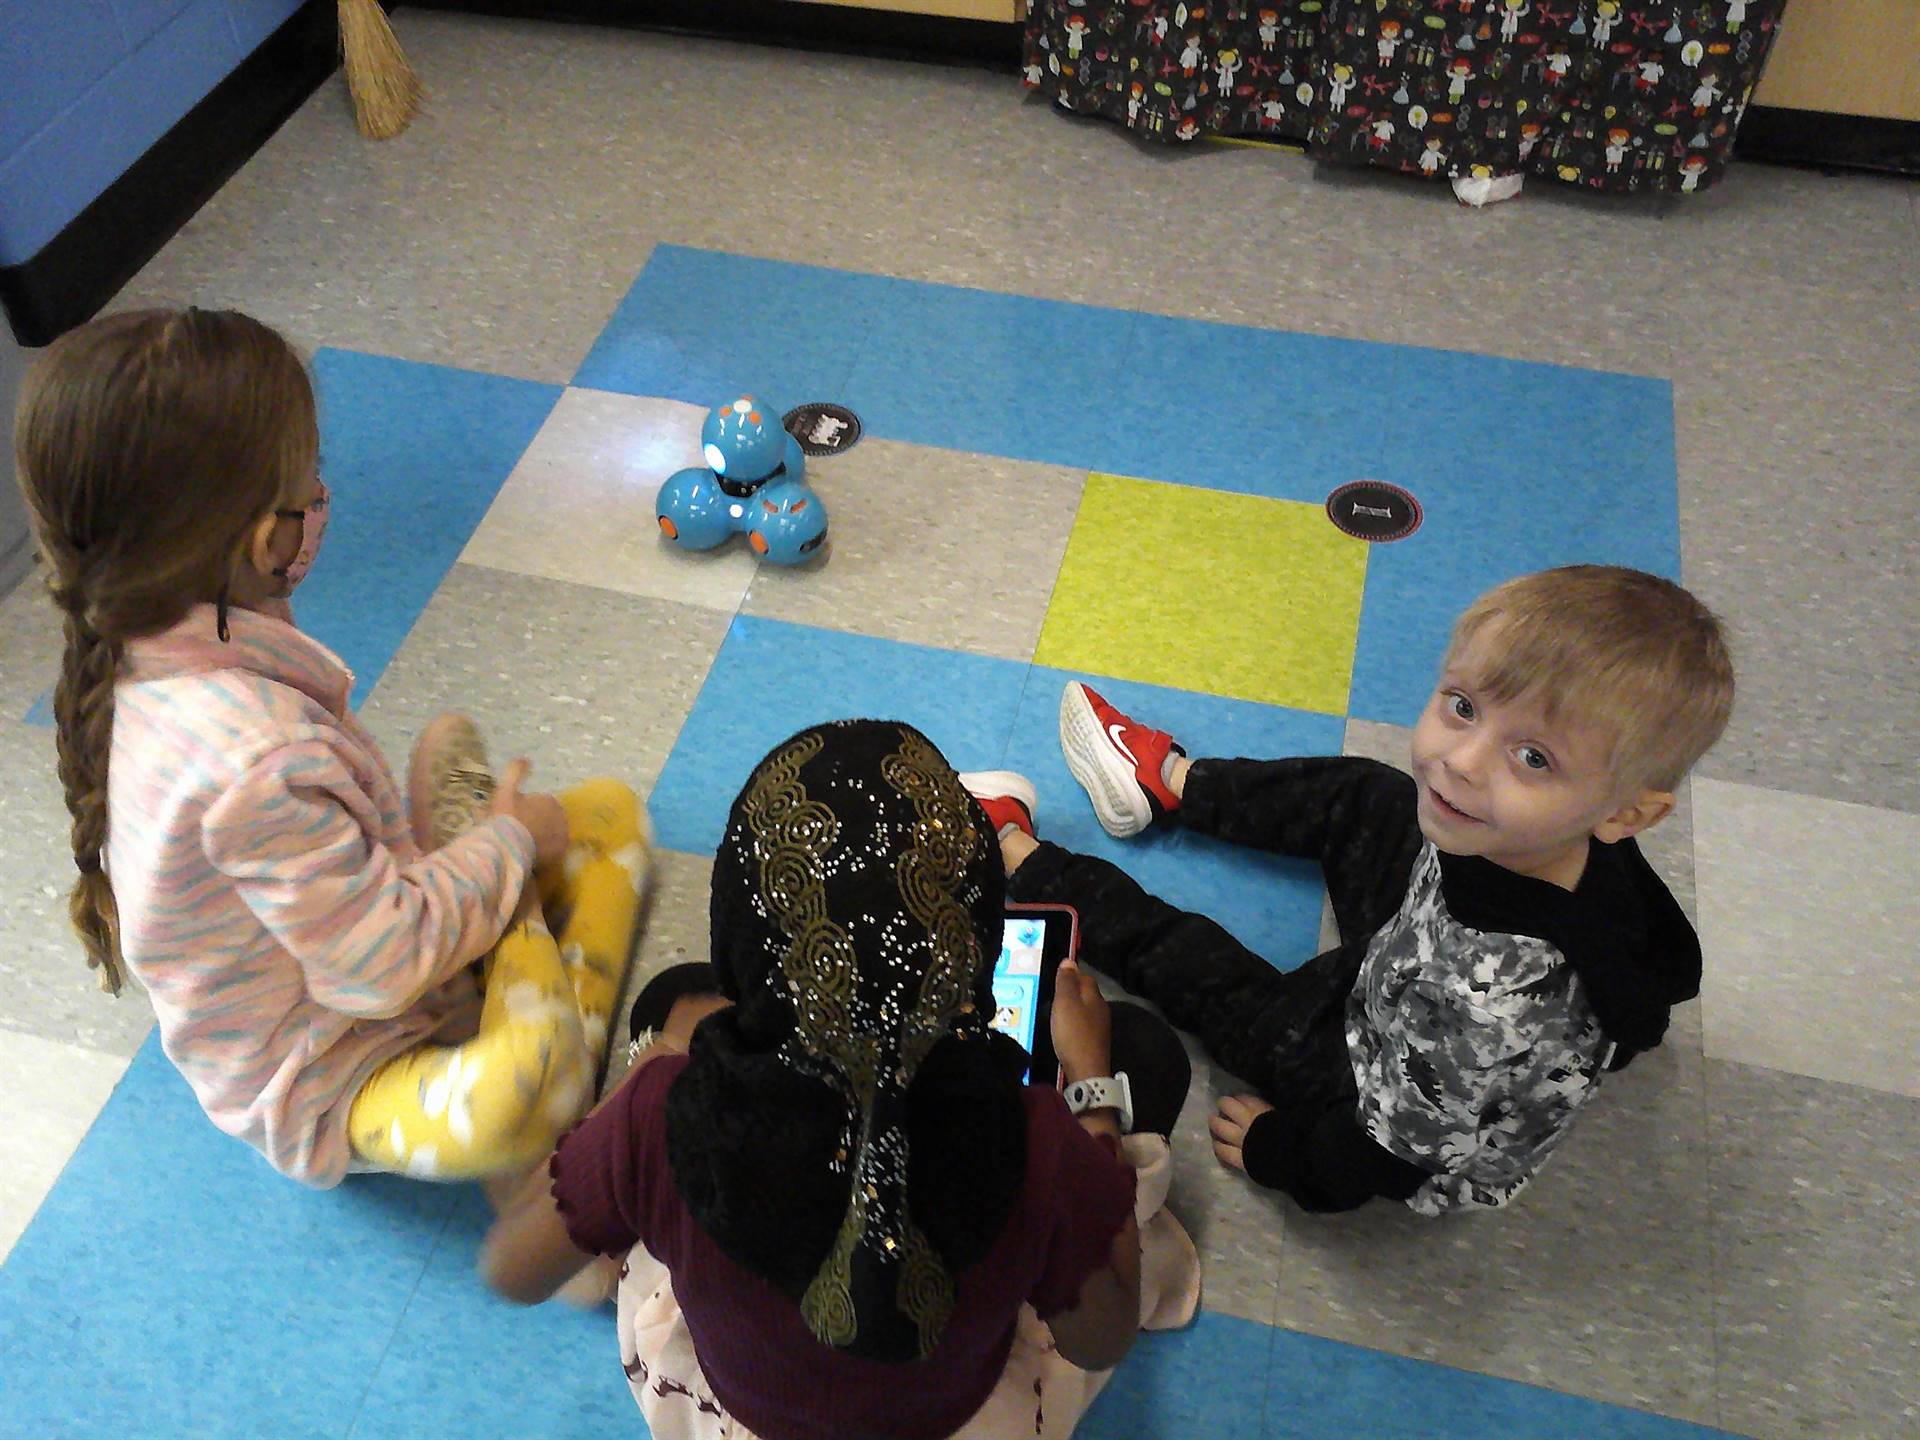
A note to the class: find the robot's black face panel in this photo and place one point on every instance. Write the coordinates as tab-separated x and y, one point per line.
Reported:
812	545
740	489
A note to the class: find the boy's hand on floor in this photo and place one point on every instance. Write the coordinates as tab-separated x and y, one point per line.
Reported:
541	814
1229	1127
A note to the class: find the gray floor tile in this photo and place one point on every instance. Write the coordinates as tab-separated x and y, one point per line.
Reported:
1808	910
1850	233
30	646
935	547
1595	1281
1669	848
1239	1229
1374	740
1796	430
1814	1212
442	245
46	989
582	681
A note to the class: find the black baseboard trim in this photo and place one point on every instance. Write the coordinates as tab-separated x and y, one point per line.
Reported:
100	249
844	29
1830	141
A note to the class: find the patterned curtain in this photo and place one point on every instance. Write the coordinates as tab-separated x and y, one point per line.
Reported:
1609	94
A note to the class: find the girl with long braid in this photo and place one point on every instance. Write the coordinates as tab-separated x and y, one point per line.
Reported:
243	849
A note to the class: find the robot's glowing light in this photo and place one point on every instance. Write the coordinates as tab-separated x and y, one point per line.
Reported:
716	459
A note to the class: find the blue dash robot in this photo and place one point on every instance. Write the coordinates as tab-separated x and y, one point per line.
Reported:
754	483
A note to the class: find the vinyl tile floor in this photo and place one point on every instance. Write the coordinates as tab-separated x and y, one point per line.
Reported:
1731	1238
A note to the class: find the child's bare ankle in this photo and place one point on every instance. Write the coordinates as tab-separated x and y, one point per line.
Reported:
1177	776
1015	847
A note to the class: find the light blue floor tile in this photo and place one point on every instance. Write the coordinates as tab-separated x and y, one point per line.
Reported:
1206	1382
172	1284
414	454
1232	407
772	679
703	327
974	370
477	1365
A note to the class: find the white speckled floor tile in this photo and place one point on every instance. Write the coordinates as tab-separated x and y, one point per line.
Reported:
1808	912
579	507
53	1092
935	547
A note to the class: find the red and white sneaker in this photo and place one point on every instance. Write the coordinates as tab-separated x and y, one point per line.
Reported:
1117	761
1007	797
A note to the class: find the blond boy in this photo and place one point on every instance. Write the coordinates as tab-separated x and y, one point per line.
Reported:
1503	942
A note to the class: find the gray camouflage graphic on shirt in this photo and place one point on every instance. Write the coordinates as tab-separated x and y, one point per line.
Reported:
1473	1051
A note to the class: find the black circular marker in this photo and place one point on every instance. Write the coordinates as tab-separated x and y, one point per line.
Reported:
1373	510
823	428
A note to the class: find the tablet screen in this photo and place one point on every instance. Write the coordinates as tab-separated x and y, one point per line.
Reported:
1016	978
1034	940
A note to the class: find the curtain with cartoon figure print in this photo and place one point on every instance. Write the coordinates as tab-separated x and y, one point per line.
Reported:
1613	95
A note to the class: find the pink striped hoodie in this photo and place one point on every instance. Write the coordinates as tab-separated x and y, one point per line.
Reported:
272	900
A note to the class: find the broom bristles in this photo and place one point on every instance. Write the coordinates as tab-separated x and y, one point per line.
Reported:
386	92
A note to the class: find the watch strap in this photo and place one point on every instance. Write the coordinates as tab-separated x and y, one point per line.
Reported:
1102	1092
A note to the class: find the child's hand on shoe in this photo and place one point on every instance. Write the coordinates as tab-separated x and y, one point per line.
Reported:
1082	1025
541	814
1230	1126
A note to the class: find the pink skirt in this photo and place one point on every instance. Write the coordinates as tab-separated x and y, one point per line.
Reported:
1040	1396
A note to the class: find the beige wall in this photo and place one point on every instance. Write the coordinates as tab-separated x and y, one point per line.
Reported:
1853	57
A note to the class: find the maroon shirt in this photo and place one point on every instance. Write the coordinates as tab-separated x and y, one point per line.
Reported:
611	1179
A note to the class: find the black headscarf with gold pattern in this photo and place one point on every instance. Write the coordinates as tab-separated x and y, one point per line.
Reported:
852	1129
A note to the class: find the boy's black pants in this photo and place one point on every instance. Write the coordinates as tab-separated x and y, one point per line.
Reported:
1282	1030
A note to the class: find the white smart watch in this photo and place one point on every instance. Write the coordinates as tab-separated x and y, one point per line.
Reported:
1102	1092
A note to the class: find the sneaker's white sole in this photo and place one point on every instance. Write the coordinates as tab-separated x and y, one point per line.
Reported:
1103	772
1010	783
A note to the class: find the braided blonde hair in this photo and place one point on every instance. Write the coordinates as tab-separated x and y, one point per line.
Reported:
148	447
